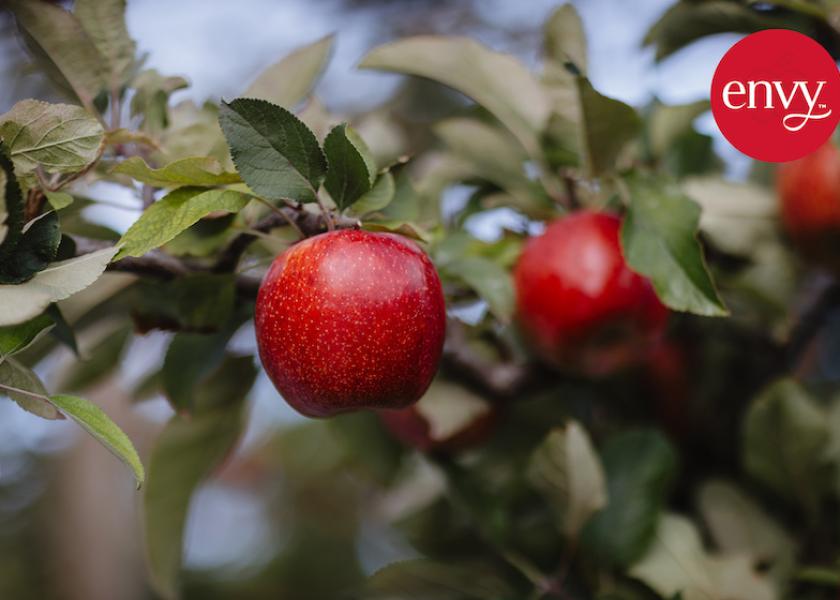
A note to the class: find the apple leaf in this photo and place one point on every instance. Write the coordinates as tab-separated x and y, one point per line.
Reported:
567	471
58	281
488	279
58	200
659	239
57	38
100	360
498	82
739	525
274	152
785	440
351	169
60	138
640	466
173	213
565	40
677	565
199	171
93	420
36	248
32	396
379	196
450	408
605	127
186	453
104	23
15	338
11	205
290	80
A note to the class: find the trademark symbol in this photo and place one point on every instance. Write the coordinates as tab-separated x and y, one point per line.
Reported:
821	105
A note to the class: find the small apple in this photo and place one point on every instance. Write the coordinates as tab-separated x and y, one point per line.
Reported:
809	190
447	418
348	320
579	303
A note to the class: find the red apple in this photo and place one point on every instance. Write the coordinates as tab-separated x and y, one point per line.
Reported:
448	418
579	303
349	320
809	189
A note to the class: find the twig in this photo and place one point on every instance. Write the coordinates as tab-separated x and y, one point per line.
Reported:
810	323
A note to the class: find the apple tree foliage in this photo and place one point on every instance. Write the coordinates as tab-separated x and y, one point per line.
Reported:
723	486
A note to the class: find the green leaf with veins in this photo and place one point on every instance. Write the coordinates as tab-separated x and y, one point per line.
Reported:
274	152
499	82
58	281
56	37
93	420
16	338
290	80
199	171
351	169
173	213
104	22
60	138
32	396
35	250
659	240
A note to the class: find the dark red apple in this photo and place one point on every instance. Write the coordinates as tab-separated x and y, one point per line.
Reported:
579	303
809	189
349	320
448	418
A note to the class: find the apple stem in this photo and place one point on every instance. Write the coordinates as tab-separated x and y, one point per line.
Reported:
327	217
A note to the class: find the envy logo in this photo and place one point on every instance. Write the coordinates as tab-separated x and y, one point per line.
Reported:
774	95
738	89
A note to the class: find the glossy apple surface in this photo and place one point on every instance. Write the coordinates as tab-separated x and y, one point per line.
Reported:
809	191
578	302
349	320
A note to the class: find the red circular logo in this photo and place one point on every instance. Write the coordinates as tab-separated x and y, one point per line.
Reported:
776	95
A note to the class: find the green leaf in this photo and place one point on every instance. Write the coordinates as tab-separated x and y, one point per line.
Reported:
403	228
450	408
15	338
186	453
688	21
104	22
497	81
57	36
677	564
565	40
739	525
606	125
489	280
93	420
190	358
58	200
423	579
34	400
785	440
274	152
173	213
379	196
291	79
667	123
35	250
568	472
151	99
58	281
640	466
11	205
59	137
352	170
199	171
62	331
659	239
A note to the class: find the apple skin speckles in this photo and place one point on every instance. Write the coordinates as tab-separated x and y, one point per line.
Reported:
350	320
578	302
